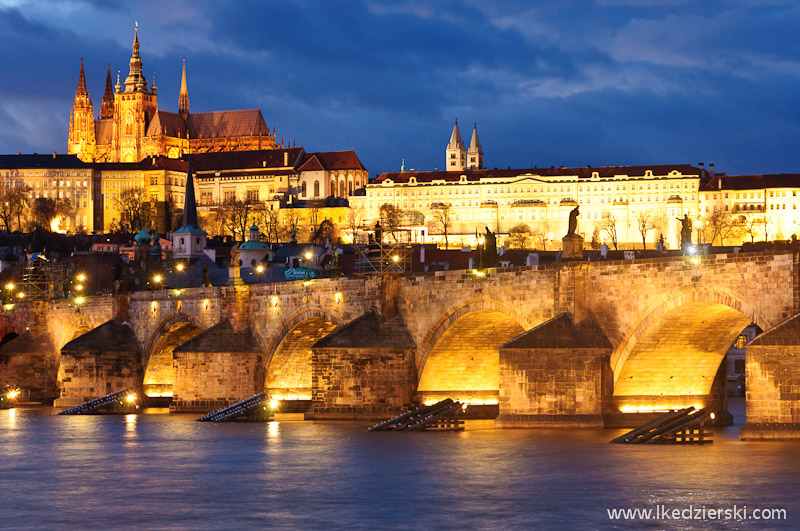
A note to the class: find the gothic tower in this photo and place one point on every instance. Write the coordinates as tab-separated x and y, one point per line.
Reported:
455	152
136	105
81	122
107	107
183	97
475	152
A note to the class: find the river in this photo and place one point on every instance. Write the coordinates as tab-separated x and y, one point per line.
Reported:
162	471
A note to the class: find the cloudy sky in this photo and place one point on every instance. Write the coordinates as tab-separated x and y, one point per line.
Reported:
565	82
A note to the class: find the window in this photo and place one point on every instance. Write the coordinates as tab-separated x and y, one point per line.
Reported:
229	196
252	195
316	188
303	189
153	179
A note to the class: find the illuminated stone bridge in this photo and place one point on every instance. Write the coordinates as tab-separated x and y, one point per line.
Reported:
568	344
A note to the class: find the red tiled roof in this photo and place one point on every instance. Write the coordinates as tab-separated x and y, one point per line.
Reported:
103	130
167	123
583	173
225	124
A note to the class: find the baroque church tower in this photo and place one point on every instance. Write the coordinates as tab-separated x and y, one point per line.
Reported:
81	121
455	153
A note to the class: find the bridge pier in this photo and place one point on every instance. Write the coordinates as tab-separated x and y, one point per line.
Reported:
773	384
555	375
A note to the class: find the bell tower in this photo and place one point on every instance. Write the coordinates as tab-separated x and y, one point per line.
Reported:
135	107
456	152
81	139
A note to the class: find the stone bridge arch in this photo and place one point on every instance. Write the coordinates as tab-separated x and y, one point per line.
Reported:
172	331
672	356
287	370
459	358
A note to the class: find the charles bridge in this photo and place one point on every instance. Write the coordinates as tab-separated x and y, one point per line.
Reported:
568	344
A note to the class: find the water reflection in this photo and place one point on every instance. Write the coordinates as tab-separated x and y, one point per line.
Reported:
159	470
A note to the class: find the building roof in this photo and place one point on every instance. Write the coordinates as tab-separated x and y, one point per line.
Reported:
252	159
561	332
167	123
28	343
752	182
331	160
226	124
103	130
582	173
221	338
53	160
110	336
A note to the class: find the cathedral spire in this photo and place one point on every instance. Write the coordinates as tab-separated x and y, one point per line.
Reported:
107	106
81	91
183	96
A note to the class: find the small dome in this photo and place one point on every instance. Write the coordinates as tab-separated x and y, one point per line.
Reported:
143	238
254	228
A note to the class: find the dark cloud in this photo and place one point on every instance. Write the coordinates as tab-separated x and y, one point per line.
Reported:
570	82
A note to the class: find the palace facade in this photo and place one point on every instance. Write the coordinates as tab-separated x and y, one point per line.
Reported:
131	127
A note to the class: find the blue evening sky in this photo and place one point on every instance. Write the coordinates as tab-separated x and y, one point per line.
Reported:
562	82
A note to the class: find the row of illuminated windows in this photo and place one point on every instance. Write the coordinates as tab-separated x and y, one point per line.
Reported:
687	186
61	194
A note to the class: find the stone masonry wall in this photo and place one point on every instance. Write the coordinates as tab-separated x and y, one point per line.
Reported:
361	383
35	372
204	381
91	374
552	387
773	392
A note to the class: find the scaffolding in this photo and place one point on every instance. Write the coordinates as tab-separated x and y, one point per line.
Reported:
388	253
43	279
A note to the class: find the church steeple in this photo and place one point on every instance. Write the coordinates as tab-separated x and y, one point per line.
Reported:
135	82
456	151
183	97
189	241
190	205
81	90
475	153
107	106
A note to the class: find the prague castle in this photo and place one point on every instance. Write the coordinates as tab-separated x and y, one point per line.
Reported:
130	126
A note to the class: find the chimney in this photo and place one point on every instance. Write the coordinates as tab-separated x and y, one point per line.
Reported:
711	169
702	166
285	158
54	154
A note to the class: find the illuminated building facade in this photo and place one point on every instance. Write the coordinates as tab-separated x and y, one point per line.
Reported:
130	125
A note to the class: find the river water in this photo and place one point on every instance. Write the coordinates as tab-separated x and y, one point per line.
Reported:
161	471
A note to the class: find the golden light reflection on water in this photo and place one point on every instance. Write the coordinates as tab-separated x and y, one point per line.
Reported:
12	417
130	422
273	429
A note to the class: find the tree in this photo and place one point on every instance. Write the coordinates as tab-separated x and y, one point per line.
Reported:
721	225
13	202
609	225
596	238
645	223
541	234
442	220
131	206
290	219
271	221
753	226
391	217
43	211
355	218
239	216
519	235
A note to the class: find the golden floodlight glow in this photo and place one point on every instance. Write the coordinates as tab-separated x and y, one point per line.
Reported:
396	258
273	404
130	398
308	255
180	267
9	286
20	294
81	277
79	287
157	278
337	297
11	395
478	273
260	268
307	283
664	408
274	301
78	300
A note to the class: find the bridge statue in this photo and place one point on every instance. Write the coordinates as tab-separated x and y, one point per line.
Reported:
489	249
686	230
573	221
572	243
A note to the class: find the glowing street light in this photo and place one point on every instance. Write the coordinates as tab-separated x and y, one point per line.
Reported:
273	404
20	294
9	286
157	279
396	258
79	287
81	277
259	268
79	300
131	398
179	267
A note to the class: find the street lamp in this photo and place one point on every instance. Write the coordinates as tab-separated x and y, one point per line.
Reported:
481	241
308	256
180	267
157	280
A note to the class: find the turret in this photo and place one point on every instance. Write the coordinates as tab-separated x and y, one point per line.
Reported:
456	152
135	82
